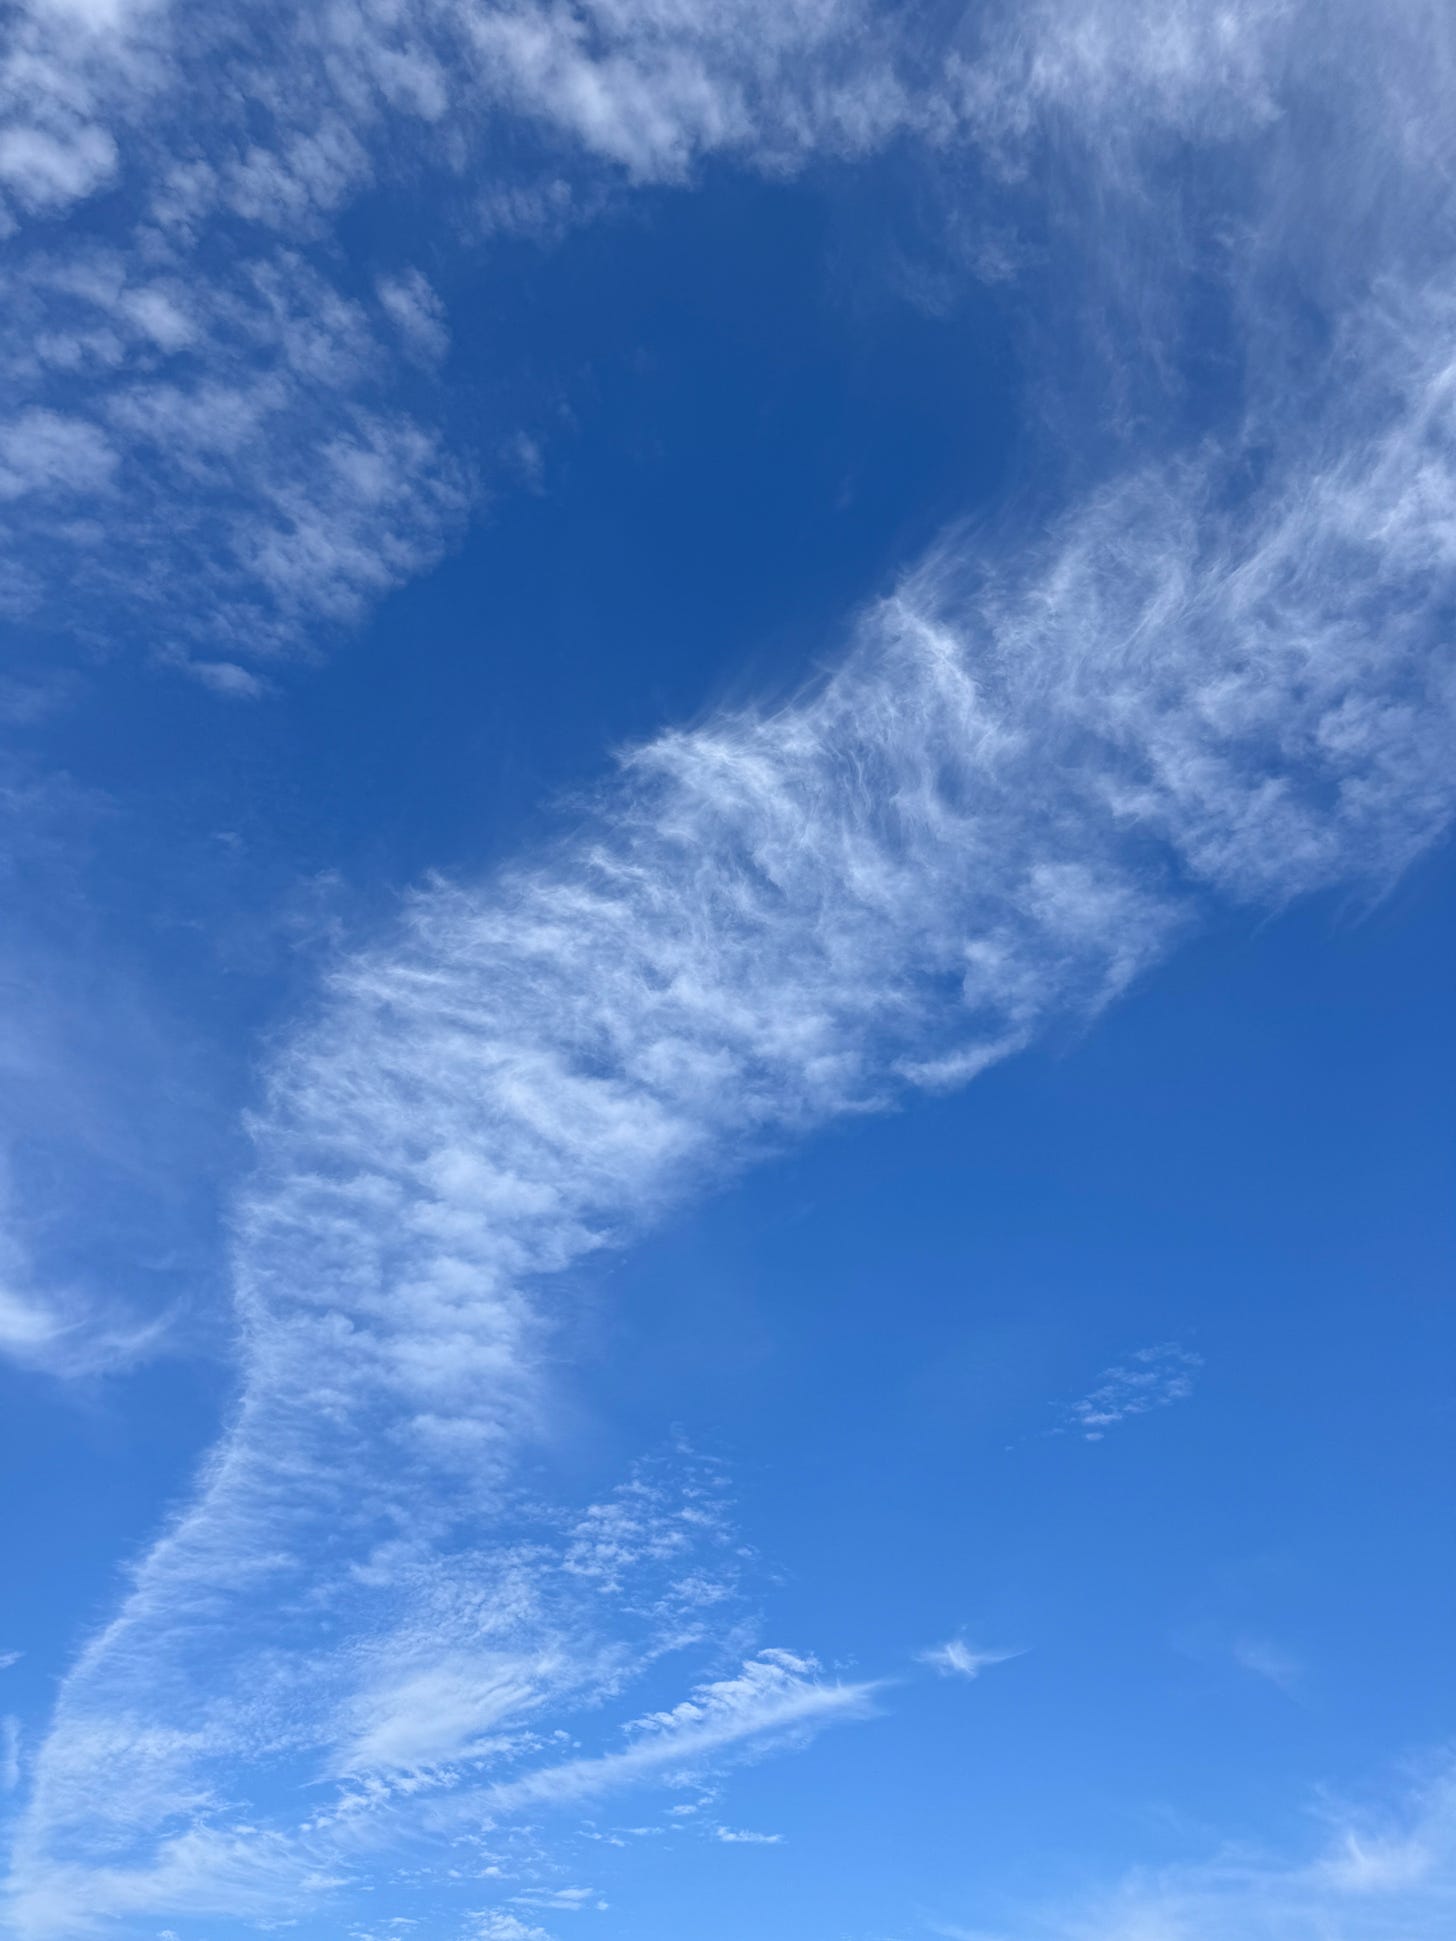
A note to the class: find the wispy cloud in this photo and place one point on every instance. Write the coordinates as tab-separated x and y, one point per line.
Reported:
1267	1660
771	919
1378	1877
101	1108
1150	1378
212	435
569	1900
1224	671
66	1334
416	312
455	1670
775	1694
957	1659
494	1924
73	1339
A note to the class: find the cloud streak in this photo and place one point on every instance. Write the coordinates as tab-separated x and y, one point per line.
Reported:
775	1694
957	1659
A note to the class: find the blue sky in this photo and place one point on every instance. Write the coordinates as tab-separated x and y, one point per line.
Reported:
725	1157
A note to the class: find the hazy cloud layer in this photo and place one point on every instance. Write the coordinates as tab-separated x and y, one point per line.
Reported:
1387	1875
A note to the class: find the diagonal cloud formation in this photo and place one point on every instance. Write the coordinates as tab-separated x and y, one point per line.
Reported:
1223	675
1000	809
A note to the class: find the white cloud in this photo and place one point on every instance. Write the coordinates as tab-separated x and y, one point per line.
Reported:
957	1659
226	677
160	314
416	312
568	1900
651	1523
1224	671
468	1664
742	1837
495	1925
66	1334
44	169
72	73
166	364
44	452
441	1709
1150	1378
248	1871
26	1324
774	1694
624	91
654	88
229	451
1387	1878
767	920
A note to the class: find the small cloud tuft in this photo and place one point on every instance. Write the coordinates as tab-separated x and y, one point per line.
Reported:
957	1659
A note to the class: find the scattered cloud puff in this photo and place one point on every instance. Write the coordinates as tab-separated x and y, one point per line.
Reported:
219	455
1152	1378
570	1900
45	453
957	1659
208	435
494	1924
416	312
